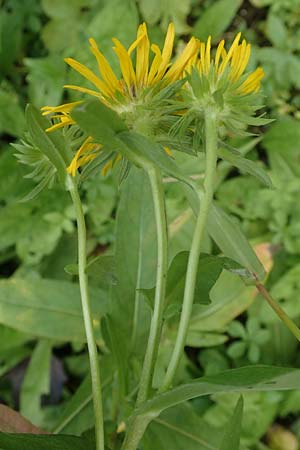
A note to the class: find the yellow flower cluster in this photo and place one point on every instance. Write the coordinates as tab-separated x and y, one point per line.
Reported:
148	71
231	64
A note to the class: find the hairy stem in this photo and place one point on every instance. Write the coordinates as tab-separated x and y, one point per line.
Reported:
161	276
87	317
191	275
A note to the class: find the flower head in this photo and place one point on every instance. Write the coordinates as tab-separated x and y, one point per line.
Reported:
229	67
135	76
220	82
141	95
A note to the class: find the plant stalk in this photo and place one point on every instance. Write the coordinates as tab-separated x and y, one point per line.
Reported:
290	324
160	289
192	268
87	317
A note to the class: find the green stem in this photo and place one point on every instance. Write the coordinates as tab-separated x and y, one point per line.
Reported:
161	276
139	424
87	317
280	313
191	275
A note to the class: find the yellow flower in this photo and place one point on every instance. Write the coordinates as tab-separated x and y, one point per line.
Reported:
125	93
86	153
229	66
62	113
135	77
219	81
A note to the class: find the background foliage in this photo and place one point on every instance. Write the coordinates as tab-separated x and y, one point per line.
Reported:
43	363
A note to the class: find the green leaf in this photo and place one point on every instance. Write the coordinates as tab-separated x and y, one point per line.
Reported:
11	114
46	77
231	439
209	270
181	428
107	128
237	349
71	269
52	145
101	122
258	378
47	308
115	19
246	166
147	150
79	406
229	238
78	415
216	19
46	442
167	11
282	144
102	271
276	31
135	262
36	382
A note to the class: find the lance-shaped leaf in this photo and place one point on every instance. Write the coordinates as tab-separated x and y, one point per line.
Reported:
99	121
229	238
246	166
243	379
135	266
232	433
52	145
154	154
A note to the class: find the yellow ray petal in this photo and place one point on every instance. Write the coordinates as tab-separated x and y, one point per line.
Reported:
166	53
65	121
66	107
176	70
83	155
228	56
207	55
244	61
240	60
142	56
252	82
106	167
89	75
105	69
85	90
219	53
157	60
126	65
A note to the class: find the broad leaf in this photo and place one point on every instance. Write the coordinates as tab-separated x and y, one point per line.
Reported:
259	378
47	308
135	262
